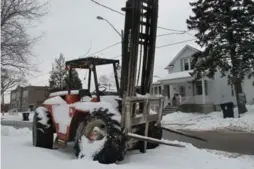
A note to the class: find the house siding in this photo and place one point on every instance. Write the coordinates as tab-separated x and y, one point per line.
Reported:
248	89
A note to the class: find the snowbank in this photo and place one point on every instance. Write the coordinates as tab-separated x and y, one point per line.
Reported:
18	152
211	121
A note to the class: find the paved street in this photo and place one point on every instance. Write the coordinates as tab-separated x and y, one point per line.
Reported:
226	141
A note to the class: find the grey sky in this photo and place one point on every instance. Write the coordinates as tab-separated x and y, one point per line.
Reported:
71	28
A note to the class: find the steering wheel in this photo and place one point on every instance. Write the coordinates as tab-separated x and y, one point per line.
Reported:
101	89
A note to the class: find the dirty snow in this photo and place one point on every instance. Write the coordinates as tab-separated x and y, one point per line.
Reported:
18	152
211	121
88	149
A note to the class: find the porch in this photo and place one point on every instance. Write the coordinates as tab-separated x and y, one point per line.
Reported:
193	96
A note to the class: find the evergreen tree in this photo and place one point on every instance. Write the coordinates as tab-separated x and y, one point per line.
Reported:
74	83
225	29
57	75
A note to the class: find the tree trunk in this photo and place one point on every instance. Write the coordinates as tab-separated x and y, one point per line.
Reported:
240	99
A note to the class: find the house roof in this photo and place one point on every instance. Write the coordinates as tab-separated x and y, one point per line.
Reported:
180	53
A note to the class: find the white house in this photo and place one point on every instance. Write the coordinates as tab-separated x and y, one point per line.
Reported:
202	96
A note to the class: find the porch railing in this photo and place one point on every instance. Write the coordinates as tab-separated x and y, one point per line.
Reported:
194	100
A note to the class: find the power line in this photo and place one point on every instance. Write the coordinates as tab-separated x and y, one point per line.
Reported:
108	7
171	44
106	48
166	34
113	10
169	29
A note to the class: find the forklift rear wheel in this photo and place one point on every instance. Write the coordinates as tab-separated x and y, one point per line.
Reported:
100	129
43	134
153	132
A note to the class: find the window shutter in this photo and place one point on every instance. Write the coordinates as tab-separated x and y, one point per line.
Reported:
181	61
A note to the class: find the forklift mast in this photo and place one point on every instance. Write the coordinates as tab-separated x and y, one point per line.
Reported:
138	50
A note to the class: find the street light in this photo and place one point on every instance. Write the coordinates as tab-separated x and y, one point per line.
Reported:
101	18
121	35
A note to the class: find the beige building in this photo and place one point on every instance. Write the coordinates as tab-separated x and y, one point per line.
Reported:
22	97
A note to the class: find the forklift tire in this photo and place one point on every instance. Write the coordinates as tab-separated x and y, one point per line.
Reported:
43	135
114	146
153	132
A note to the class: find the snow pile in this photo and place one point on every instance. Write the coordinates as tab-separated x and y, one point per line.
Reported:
11	131
211	121
19	153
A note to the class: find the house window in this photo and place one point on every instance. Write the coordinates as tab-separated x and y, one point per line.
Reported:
159	90
25	94
191	66
13	96
18	94
182	90
155	90
186	64
199	88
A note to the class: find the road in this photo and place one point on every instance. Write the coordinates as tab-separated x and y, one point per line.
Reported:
235	142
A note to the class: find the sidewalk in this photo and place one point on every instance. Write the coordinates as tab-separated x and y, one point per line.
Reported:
17	124
15	120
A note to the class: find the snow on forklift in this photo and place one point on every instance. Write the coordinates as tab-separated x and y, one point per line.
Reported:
106	125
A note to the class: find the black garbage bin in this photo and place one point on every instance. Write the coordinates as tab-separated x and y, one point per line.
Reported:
25	116
227	109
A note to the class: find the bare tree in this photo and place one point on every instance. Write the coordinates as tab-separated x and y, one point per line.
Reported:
10	79
16	44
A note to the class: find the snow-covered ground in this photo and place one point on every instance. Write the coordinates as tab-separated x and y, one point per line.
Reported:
18	152
211	121
190	121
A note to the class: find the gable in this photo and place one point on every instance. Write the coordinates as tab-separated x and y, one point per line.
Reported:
185	52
